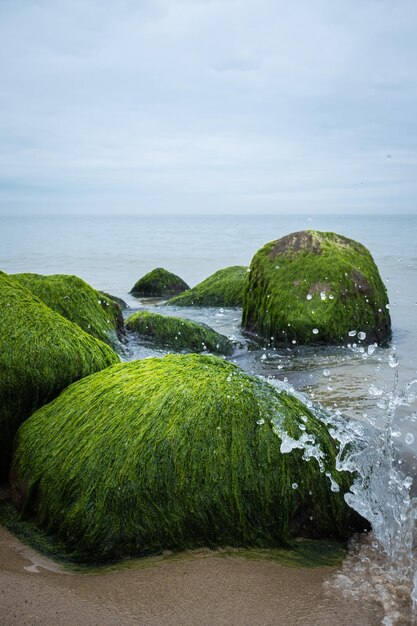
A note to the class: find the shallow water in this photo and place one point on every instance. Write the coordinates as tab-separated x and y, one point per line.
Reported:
359	382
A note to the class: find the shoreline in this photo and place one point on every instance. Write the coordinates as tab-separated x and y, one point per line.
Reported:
201	589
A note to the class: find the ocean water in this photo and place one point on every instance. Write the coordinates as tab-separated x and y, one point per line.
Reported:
375	389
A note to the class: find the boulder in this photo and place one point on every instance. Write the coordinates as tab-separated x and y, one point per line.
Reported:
73	298
314	287
178	333
178	452
223	288
159	283
41	353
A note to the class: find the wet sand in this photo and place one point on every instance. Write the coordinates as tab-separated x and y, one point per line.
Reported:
202	589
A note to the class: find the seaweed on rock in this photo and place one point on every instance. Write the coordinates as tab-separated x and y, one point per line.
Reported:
173	453
178	333
73	298
41	353
223	288
159	283
315	287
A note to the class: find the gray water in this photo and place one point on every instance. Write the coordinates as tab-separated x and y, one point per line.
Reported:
372	386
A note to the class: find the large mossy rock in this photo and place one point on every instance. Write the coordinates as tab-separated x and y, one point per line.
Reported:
223	288
73	298
178	333
173	453
159	283
41	353
315	287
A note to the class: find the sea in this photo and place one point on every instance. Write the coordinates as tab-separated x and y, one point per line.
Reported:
373	388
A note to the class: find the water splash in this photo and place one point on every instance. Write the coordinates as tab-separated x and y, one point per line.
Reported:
384	565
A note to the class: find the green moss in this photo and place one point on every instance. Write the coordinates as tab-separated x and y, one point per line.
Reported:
41	353
223	288
159	282
175	453
179	334
315	280
71	297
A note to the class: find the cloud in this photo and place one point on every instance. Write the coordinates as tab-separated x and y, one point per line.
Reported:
220	105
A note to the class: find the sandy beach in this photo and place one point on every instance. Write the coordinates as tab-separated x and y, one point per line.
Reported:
202	589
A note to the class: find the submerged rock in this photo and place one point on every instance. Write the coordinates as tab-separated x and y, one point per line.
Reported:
178	333
70	296
174	453
315	287
41	353
223	288
159	283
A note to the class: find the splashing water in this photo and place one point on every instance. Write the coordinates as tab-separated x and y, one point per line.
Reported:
382	565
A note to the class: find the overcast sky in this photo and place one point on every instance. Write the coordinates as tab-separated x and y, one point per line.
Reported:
198	106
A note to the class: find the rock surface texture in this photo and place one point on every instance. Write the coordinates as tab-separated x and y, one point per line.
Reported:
174	453
41	353
159	283
315	287
223	288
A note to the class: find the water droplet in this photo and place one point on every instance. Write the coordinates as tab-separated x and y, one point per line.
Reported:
361	335
248	270
293	341
393	360
387	306
323	295
263	357
294	485
409	438
395	434
315	331
326	372
352	333
309	296
407	482
260	422
331	296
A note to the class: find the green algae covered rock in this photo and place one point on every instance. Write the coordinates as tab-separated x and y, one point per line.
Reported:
223	288
159	283
173	453
41	353
178	333
315	287
73	298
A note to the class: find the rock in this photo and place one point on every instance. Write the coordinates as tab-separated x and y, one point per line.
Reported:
41	353
122	304
315	287
159	283
173	453
223	288
73	298
178	333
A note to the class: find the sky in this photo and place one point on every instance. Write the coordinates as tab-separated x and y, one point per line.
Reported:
208	106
